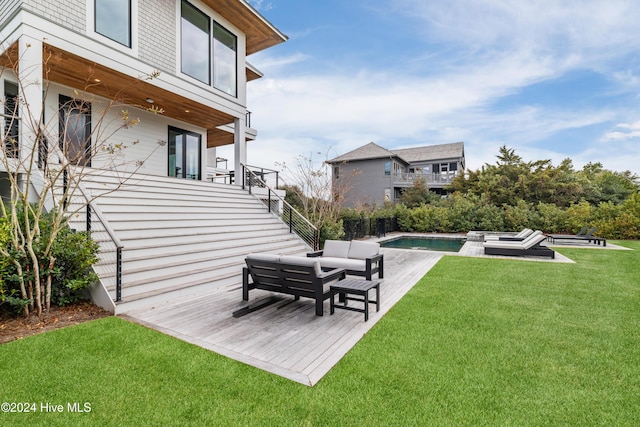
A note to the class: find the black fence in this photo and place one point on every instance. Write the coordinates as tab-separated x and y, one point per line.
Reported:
359	228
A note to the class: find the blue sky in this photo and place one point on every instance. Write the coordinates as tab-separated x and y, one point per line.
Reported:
551	79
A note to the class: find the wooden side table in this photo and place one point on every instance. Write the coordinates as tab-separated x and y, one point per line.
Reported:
348	287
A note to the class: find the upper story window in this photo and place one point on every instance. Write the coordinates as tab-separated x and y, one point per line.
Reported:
195	30
113	20
202	40
387	168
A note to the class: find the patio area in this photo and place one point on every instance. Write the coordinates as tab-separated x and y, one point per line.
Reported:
283	336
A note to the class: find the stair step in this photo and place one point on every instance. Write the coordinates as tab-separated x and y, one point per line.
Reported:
181	238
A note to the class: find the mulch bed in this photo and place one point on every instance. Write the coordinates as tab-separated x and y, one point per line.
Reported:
15	328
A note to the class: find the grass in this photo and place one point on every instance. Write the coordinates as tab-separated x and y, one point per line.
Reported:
475	342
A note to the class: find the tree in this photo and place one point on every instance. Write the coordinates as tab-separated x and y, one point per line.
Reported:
418	194
45	177
311	186
607	186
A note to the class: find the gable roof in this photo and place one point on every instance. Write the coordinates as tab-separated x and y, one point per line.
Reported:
366	152
432	152
408	155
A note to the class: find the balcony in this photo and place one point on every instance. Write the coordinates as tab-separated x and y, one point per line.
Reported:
437	180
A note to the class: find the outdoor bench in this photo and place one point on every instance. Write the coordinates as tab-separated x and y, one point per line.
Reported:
293	275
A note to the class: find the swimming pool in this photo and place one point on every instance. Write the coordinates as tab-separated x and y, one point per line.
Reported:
444	244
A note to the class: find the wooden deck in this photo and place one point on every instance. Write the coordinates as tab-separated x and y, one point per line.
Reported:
284	337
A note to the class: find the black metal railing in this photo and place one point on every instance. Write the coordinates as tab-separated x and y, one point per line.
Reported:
358	228
263	175
99	230
114	241
296	222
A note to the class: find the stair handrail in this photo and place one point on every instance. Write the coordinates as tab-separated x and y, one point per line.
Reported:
295	220
93	207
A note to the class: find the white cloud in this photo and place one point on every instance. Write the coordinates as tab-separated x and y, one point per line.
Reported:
629	131
489	49
261	5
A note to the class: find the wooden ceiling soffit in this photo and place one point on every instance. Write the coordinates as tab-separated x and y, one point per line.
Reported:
79	73
252	74
219	137
260	33
9	58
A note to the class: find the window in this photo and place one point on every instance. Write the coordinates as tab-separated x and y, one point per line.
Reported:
11	120
224	60
387	168
336	172
195	31
202	40
184	154
75	130
113	20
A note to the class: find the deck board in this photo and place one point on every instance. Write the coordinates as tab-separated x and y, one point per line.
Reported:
286	338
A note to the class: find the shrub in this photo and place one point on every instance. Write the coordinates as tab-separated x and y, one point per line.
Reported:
75	253
550	218
490	217
579	215
71	273
462	213
331	231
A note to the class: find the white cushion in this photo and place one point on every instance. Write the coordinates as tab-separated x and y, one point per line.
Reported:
524	233
349	264
363	250
263	257
336	249
302	261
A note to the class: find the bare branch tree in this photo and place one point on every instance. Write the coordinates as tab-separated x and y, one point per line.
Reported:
319	194
45	169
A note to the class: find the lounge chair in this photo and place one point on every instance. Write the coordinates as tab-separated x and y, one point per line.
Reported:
528	247
587	236
509	238
578	234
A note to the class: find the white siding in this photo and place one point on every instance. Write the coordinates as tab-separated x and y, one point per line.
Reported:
106	129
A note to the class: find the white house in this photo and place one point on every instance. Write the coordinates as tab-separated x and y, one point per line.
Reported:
181	67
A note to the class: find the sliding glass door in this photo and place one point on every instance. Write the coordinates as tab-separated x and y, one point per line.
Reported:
184	154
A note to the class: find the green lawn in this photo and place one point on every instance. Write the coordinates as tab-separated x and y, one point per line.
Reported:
476	342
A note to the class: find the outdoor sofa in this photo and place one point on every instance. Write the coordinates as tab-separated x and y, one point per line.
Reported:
359	258
528	247
293	275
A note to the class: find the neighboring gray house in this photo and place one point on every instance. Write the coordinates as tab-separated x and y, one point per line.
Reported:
372	174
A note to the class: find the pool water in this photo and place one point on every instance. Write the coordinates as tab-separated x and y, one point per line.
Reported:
425	243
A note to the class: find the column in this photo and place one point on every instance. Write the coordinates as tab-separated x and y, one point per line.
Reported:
30	82
239	148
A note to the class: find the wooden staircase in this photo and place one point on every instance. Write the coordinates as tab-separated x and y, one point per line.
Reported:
180	238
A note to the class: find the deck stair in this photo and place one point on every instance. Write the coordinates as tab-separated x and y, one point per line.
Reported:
180	238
